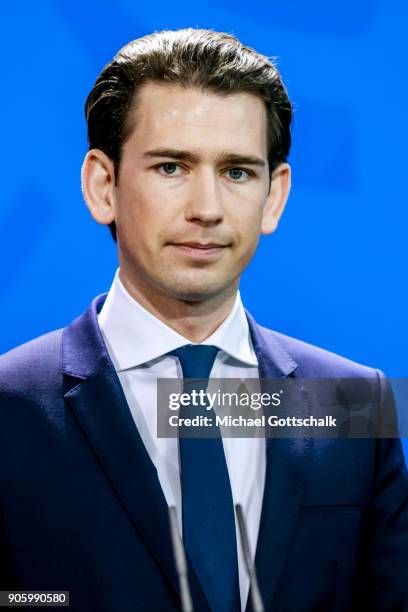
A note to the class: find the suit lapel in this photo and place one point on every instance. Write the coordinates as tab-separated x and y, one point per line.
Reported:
95	395
286	467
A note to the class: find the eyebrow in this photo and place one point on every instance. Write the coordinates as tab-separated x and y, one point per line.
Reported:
190	156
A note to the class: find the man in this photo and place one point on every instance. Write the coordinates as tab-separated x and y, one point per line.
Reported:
189	134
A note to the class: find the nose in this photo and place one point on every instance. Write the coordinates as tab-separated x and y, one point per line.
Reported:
204	204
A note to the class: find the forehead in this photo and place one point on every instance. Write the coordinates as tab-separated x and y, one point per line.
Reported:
191	118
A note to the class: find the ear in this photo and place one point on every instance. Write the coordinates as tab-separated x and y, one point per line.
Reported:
98	186
277	198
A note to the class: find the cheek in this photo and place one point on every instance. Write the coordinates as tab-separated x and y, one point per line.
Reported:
146	196
135	208
247	221
144	220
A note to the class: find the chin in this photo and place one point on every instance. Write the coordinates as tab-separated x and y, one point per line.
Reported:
195	292
195	295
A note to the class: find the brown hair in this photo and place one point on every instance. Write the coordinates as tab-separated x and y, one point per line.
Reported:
210	60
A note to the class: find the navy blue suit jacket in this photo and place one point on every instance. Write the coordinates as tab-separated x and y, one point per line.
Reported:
81	507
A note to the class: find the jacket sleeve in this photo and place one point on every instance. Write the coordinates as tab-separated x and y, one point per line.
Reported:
386	531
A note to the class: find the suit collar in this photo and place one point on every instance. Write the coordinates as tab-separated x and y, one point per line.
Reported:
83	349
79	361
273	359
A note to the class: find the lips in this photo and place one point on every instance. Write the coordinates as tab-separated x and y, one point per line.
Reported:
200	250
201	245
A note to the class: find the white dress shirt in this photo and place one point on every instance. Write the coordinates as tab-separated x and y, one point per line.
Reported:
138	344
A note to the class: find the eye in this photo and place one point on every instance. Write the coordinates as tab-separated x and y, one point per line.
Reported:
238	175
169	169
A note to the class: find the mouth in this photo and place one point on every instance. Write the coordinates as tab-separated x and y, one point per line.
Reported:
200	250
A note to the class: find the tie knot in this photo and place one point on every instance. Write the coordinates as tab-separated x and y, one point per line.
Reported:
196	360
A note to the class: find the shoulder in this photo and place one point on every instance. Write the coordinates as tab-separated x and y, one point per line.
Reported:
32	365
314	361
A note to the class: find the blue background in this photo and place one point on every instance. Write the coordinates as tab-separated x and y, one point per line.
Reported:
334	274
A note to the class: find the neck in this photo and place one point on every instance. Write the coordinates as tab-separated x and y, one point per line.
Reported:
195	320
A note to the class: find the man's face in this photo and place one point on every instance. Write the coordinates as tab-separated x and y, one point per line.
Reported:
192	191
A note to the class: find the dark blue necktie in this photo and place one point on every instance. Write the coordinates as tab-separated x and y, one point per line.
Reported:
208	510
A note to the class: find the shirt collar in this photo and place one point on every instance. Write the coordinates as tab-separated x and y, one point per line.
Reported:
134	336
